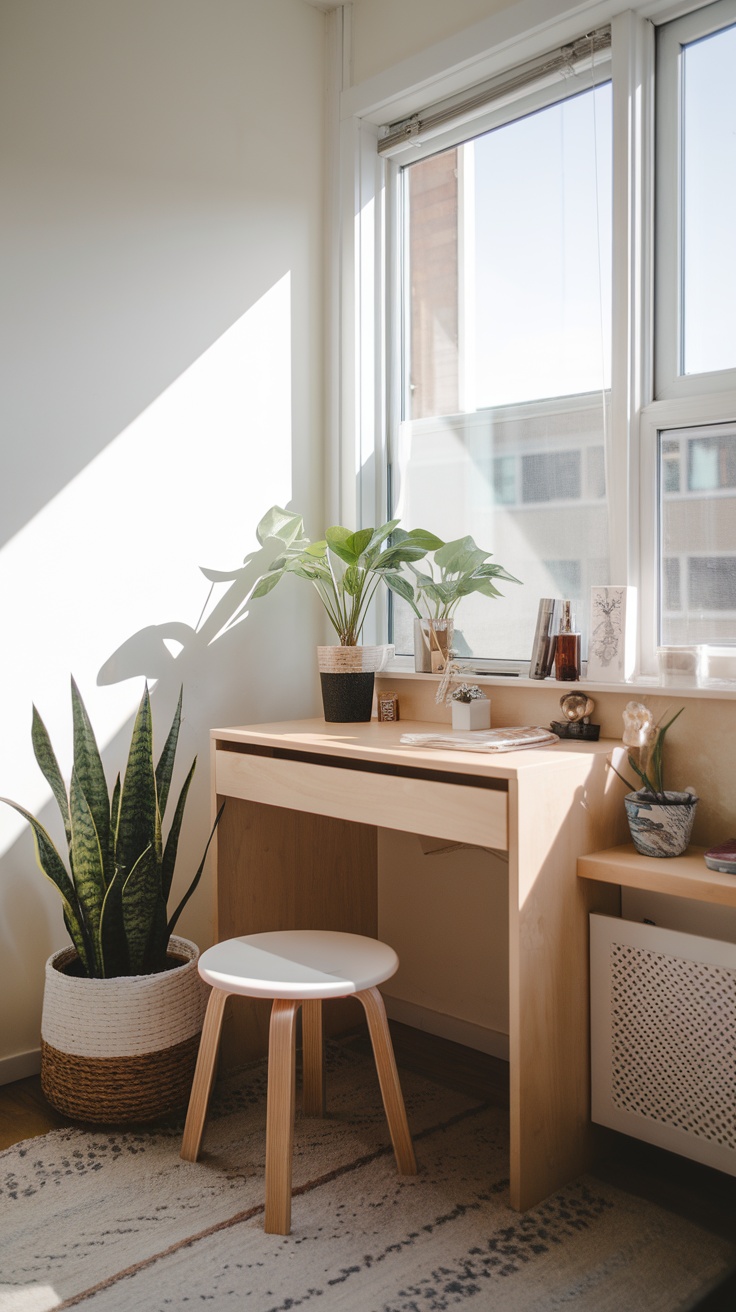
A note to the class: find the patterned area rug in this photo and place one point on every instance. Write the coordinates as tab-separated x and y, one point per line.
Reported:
116	1222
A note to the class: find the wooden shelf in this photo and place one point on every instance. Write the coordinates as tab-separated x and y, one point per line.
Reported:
680	876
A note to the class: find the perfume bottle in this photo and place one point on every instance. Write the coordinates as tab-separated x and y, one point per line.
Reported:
567	648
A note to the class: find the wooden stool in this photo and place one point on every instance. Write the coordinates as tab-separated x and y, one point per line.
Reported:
297	968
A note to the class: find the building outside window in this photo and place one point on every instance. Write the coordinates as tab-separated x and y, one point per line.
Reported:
507	395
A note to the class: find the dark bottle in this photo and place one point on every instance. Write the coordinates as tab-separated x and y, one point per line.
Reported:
567	649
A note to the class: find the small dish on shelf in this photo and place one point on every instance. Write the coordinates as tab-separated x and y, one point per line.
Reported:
723	857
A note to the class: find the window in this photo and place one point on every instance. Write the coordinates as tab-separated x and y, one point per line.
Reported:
560	369
697	536
506	344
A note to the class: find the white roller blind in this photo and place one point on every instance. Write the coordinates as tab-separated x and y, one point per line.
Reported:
556	66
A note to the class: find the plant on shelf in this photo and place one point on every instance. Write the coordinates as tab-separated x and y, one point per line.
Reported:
648	765
465	693
345	567
462	568
120	872
660	820
458	569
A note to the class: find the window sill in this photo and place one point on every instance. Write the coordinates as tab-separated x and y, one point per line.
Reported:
402	667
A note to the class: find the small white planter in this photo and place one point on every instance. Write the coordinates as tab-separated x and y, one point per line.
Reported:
472	715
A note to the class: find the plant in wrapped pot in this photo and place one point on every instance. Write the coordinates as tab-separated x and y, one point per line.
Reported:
345	568
123	1008
660	820
458	569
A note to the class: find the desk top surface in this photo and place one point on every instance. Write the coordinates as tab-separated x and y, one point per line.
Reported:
377	740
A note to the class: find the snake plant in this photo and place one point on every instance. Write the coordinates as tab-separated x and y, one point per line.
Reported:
116	888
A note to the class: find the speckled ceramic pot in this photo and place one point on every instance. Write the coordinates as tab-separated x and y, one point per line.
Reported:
660	828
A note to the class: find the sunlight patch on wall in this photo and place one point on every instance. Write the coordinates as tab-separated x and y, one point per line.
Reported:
119	548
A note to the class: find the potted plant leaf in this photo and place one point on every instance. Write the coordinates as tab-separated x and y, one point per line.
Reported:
345	568
457	570
123	1007
660	820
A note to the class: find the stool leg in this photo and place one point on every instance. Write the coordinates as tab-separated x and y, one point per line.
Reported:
313	1074
280	1115
388	1078
203	1076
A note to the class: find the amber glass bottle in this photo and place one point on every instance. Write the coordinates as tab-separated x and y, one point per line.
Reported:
567	648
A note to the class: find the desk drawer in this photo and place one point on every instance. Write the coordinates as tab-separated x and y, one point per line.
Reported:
420	806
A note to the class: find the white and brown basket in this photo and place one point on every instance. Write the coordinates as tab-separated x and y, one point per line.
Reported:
124	1049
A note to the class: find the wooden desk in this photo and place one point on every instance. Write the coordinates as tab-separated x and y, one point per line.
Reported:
297	848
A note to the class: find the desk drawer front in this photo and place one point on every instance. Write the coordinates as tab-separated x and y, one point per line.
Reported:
442	810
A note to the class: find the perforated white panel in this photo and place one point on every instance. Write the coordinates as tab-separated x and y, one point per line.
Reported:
673	1041
663	1038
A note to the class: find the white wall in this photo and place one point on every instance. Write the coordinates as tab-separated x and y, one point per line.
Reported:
387	31
162	213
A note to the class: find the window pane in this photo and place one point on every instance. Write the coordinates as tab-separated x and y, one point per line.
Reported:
506	314
709	202
698	538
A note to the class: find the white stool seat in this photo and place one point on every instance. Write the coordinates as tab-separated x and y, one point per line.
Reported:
298	963
297	969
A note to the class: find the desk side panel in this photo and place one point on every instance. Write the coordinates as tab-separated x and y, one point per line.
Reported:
284	869
555	817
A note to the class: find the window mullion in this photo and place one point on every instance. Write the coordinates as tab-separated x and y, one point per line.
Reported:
633	119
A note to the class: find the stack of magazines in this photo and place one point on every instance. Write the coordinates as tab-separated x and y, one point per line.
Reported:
484	740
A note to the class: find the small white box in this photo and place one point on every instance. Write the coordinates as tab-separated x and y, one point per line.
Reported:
472	715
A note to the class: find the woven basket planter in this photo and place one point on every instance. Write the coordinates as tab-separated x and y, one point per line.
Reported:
121	1050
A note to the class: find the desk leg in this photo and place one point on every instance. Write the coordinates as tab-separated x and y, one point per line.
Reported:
284	869
552	1137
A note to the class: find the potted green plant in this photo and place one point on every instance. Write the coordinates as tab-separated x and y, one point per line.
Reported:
660	820
345	568
123	1007
458	569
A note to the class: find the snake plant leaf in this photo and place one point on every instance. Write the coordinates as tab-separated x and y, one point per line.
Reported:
165	766
88	864
51	865
113	943
114	818
154	958
90	774
140	895
139	822
168	861
46	758
172	922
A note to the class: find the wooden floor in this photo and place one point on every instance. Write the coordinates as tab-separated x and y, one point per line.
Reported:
702	1195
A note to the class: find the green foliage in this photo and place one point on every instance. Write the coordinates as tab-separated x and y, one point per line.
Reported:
115	892
345	568
460	568
652	776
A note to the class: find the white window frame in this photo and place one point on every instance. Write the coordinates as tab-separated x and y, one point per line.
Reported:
364	390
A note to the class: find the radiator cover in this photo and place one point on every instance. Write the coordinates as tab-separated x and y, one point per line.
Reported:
663	1038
